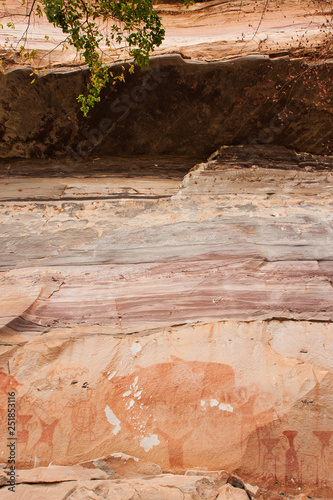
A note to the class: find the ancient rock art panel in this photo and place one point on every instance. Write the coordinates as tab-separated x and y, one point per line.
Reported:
184	404
58	425
37	420
302	454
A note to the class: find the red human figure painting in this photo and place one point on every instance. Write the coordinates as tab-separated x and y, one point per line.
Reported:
292	466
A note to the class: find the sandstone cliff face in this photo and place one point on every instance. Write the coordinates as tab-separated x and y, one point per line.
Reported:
166	320
161	322
207	31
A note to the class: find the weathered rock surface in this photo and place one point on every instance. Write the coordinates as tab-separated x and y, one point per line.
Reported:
162	487
190	328
173	107
61	483
208	30
227	492
177	107
168	332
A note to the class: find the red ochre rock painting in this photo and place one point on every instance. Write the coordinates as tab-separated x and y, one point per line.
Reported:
292	466
295	449
8	383
192	409
293	458
83	419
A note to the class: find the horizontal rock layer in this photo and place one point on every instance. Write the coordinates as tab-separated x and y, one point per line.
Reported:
207	30
192	486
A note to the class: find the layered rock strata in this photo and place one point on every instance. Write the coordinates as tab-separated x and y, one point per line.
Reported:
207	30
187	326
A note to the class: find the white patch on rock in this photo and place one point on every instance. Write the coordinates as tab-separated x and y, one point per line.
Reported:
124	457
214	402
112	375
112	419
135	386
226	407
137	394
202	402
127	393
131	403
148	442
135	348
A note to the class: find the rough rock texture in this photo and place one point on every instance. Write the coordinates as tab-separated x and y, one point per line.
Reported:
190	327
160	487
173	107
167	328
208	30
247	94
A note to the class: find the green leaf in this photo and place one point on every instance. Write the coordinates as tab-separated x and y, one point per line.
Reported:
135	24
